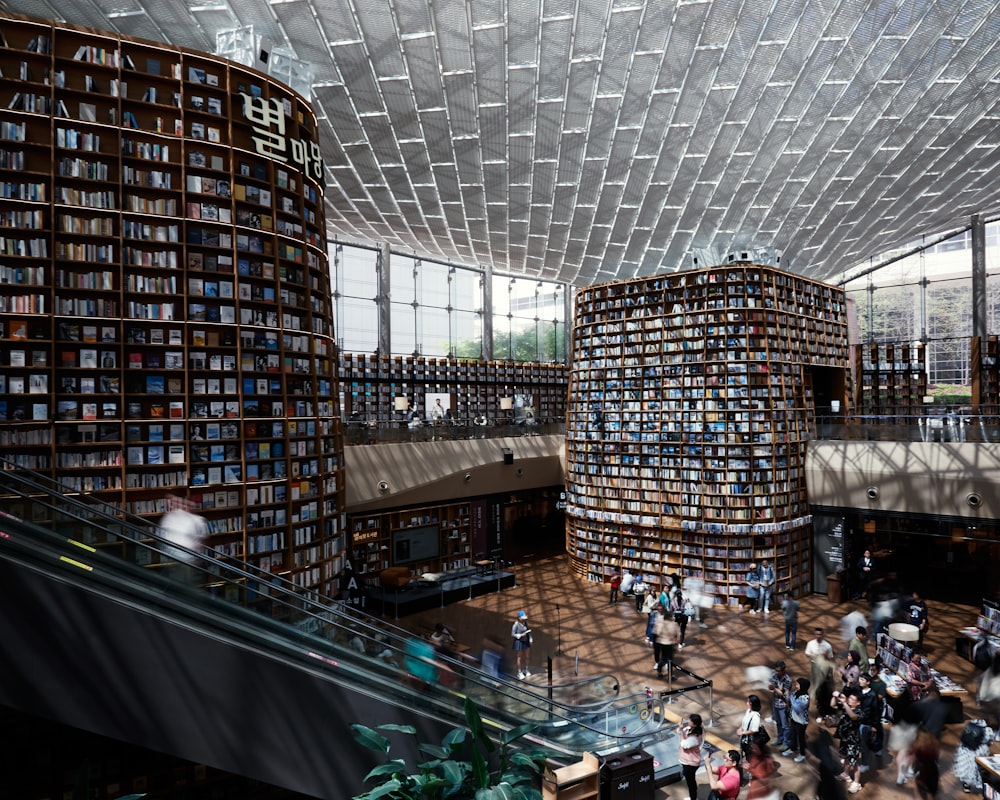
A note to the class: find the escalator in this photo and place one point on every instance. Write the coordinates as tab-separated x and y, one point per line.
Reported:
238	669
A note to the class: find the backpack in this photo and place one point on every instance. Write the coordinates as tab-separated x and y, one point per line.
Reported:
973	735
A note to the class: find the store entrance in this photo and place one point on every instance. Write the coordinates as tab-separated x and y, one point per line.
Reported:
946	559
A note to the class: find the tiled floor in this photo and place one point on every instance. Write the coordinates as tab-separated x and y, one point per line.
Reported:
573	624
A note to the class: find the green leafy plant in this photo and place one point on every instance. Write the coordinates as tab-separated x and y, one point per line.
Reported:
459	768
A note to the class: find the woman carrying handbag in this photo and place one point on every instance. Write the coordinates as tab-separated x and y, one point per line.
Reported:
751	730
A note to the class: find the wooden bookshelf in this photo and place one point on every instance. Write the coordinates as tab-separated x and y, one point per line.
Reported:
985	374
165	316
891	381
691	403
372	383
424	539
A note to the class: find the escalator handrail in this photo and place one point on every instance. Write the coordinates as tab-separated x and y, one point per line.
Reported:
308	605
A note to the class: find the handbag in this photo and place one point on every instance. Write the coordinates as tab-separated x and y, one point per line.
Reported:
761	736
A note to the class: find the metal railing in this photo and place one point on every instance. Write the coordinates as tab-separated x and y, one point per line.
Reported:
105	549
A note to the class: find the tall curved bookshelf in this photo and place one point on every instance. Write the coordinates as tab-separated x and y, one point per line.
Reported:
691	403
165	316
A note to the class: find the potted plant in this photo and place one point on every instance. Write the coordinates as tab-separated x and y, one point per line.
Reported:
460	767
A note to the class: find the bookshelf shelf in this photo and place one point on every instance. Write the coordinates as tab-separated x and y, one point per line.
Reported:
691	402
891	380
133	359
373	383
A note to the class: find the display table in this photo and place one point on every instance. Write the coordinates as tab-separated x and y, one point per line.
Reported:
989	768
895	684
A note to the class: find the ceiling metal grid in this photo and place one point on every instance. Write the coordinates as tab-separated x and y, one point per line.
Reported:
584	141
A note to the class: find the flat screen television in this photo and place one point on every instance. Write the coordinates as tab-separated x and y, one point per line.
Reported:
416	544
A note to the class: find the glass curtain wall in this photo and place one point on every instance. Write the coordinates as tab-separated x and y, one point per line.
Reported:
529	320
927	297
436	310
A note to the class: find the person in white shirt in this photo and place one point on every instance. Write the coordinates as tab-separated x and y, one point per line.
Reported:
437	412
820	654
182	527
639	590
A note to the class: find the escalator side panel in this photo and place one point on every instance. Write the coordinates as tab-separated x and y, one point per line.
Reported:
110	668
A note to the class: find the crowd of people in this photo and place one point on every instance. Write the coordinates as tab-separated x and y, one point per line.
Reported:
839	711
842	720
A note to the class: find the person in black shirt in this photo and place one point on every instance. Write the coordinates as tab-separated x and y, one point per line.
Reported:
866	571
916	614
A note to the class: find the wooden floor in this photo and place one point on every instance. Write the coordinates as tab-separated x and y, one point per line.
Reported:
573	623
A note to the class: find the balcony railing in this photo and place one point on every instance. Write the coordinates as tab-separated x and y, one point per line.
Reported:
387	431
936	425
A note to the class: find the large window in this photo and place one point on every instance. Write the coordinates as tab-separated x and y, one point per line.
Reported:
355	290
927	297
436	310
529	320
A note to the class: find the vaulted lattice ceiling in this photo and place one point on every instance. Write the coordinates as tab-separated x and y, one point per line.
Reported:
592	139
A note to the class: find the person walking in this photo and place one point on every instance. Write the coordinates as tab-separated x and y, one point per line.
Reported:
859	644
790	611
639	592
628	579
762	769
988	691
820	654
974	741
692	737
680	607
181	526
924	760
668	634
521	635
616	582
